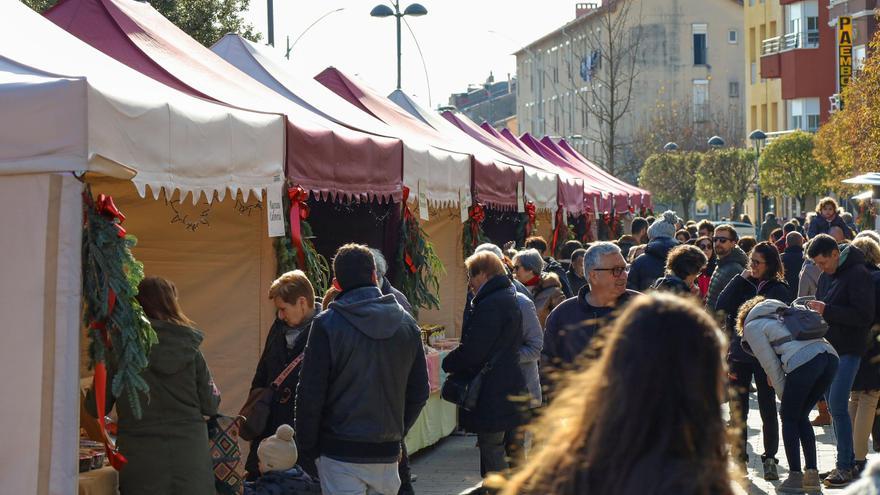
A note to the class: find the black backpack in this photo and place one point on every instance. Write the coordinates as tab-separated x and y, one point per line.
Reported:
802	323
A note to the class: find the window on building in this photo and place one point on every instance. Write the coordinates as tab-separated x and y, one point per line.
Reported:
858	58
733	89
753	73
774	117
803	113
701	100
733	36
802	24
700	45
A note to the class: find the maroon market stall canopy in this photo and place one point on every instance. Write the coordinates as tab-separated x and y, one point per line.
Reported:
494	179
436	172
566	149
571	192
322	156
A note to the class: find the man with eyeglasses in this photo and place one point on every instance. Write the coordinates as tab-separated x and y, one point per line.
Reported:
572	324
731	261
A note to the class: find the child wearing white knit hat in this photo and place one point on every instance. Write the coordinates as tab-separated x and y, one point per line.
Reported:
278	470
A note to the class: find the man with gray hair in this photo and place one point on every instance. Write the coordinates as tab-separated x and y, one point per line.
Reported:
572	325
384	284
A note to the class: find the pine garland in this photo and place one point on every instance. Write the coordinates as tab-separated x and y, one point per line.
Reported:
119	332
472	230
419	267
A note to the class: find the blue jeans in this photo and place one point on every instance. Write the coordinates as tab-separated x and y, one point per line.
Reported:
838	403
803	387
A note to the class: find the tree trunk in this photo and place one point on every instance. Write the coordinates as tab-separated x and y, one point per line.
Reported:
686	208
736	208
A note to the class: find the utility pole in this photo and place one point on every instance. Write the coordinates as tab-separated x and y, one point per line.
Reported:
270	12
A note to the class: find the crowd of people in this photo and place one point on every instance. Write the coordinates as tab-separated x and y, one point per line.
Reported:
675	319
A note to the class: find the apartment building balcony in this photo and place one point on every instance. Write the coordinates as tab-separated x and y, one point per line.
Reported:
790	48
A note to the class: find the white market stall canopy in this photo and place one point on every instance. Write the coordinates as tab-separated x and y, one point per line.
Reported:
77	109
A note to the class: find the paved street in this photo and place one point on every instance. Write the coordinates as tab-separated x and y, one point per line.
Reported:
453	465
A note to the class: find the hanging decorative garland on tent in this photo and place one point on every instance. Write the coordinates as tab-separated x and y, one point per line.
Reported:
527	223
119	332
561	232
472	235
419	268
298	251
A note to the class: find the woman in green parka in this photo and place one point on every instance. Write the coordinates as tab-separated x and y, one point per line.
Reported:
167	449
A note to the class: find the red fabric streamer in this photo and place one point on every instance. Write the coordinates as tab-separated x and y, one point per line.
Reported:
531	212
407	218
559	223
299	211
477	215
117	460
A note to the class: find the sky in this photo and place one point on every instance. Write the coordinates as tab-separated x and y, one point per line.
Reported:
461	40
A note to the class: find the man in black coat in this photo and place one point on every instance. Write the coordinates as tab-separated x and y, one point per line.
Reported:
846	300
363	382
572	325
294	299
651	265
490	340
575	272
793	260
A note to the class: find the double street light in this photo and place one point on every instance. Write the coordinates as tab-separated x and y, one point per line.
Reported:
413	10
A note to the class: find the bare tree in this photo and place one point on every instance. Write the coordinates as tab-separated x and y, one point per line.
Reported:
609	54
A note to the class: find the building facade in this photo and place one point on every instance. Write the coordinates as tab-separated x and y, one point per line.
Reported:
689	56
765	108
493	102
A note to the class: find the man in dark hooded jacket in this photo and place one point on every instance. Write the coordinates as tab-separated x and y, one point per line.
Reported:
363	381
648	267
845	299
793	260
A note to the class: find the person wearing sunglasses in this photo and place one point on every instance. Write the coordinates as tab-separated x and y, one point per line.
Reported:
764	276
572	325
706	246
731	261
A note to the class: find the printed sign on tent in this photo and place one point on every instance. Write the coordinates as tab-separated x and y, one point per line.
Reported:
275	211
520	198
423	201
464	203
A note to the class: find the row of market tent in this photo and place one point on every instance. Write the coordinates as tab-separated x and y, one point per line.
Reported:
112	91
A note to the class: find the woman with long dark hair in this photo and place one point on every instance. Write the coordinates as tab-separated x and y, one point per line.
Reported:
765	276
167	448
612	430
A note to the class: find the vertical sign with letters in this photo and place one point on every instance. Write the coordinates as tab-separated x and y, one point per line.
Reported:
844	51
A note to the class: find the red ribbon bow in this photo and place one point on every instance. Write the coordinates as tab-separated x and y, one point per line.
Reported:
478	213
104	205
299	211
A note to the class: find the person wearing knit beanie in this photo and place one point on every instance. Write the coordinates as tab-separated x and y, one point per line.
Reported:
278	452
664	226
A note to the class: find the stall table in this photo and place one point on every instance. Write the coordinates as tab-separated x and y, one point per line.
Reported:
438	418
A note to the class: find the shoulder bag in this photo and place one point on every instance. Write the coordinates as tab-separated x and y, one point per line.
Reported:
255	412
464	391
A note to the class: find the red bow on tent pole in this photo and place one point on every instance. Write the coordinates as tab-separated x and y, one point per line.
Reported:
408	218
299	210
116	459
531	212
104	205
559	222
477	215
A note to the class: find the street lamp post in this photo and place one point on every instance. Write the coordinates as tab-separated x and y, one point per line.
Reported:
414	10
757	137
716	142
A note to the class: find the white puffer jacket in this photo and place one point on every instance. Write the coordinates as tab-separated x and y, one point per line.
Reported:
759	332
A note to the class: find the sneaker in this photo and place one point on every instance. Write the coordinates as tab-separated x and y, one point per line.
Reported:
811	481
839	478
793	484
771	472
